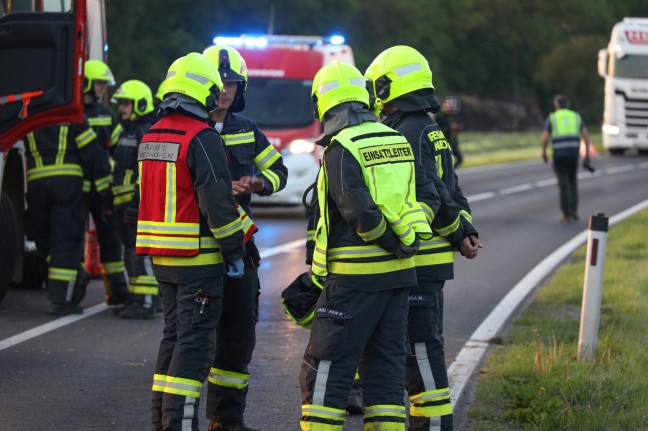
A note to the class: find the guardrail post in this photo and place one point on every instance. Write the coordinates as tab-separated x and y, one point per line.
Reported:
593	286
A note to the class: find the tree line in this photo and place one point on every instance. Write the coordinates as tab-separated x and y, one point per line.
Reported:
514	49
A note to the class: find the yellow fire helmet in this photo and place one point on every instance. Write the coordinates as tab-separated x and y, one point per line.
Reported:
337	83
96	70
195	76
300	298
139	93
397	71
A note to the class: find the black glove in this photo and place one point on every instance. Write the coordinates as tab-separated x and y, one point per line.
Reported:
406	251
587	164
130	214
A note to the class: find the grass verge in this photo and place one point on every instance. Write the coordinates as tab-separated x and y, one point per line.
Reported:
483	148
533	381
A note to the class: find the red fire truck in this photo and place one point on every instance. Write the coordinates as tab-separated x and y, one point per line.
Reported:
281	71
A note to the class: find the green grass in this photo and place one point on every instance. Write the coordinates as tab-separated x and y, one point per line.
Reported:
534	381
483	148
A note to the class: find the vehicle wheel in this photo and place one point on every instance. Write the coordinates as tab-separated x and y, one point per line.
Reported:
617	151
8	243
34	272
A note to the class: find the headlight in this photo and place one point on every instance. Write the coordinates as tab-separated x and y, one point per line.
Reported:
301	146
610	129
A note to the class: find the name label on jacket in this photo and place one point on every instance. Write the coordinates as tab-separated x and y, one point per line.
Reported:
386	154
160	151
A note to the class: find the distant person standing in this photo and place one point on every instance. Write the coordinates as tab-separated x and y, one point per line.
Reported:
565	127
446	121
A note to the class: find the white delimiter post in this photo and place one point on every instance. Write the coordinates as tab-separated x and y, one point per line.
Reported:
593	286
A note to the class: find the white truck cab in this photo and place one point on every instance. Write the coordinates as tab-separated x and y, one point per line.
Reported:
624	65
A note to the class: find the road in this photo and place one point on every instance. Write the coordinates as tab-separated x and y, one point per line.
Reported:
94	372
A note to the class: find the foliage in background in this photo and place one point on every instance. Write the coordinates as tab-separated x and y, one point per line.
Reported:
478	47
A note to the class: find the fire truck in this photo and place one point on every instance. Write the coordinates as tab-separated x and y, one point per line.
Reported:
281	70
43	46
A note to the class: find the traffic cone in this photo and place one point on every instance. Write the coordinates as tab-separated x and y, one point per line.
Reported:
92	257
583	149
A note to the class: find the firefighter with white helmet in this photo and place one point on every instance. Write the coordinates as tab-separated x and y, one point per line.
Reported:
135	108
190	224
256	167
369	225
400	79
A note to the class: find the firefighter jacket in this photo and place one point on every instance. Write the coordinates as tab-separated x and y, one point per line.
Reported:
565	127
62	154
250	153
125	175
188	218
107	128
367	202
453	221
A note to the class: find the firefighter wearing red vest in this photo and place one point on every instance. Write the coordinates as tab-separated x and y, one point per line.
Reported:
190	224
136	110
256	167
98	195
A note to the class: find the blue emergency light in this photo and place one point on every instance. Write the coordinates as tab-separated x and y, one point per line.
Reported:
260	42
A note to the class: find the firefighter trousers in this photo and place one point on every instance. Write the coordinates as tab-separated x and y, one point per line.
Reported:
227	387
191	314
55	221
355	330
426	377
566	170
110	250
143	287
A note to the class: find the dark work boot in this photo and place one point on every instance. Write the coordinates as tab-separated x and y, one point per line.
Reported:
64	308
116	289
355	405
136	310
81	285
217	426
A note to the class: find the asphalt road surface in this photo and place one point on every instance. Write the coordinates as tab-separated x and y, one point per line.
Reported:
95	372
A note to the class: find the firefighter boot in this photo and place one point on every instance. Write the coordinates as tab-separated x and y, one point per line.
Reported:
64	308
217	426
138	308
116	289
81	285
355	405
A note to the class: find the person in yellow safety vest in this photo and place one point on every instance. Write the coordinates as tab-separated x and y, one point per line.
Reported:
135	109
59	159
565	128
369	227
190	224
255	167
98	196
400	79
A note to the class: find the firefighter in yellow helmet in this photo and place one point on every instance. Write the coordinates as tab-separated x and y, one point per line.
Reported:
190	224
400	79
135	109
98	194
255	167
369	225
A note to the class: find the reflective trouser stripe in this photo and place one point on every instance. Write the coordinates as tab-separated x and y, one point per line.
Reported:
385	417
315	416
434	401
143	285
114	267
229	379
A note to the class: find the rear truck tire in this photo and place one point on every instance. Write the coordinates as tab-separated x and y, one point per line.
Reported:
617	151
8	243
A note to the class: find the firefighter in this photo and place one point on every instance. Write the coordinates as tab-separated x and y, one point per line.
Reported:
135	107
565	128
98	195
189	223
401	81
368	228
58	160
255	167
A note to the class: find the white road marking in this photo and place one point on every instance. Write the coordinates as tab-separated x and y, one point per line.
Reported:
474	351
516	189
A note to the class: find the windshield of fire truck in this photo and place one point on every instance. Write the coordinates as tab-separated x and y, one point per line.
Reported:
279	103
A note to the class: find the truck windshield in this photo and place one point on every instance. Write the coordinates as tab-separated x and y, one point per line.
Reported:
279	103
631	66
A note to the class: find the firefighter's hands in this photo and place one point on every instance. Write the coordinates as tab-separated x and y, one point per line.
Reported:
470	246
247	185
235	268
544	157
406	251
